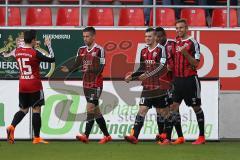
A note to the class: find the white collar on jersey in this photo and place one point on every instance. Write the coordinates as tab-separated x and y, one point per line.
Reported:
150	50
95	45
26	46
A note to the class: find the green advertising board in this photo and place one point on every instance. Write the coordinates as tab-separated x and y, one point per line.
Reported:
65	44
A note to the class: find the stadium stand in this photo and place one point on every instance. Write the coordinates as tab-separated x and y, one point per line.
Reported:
100	0
68	17
100	17
219	18
11	1
39	17
164	17
195	17
69	1
14	16
39	1
131	17
131	1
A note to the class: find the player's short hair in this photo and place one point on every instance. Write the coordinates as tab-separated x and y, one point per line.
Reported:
90	29
160	29
150	29
29	35
182	20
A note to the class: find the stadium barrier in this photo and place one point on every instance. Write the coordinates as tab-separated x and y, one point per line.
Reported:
64	112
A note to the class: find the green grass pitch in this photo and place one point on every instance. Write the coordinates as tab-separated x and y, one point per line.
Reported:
73	150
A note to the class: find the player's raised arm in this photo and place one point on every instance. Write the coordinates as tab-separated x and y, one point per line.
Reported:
44	58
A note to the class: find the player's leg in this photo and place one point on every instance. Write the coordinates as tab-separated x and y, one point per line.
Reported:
194	99
165	137
94	100
177	98
90	116
161	103
37	100
37	123
160	124
89	123
201	122
165	114
102	125
24	108
176	120
138	124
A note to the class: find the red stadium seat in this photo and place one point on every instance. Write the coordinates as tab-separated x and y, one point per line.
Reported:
11	1
164	17
14	16
39	17
100	0
130	1
68	17
194	16
69	1
100	17
219	18
39	1
131	17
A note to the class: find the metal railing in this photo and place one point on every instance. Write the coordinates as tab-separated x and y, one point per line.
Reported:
154	6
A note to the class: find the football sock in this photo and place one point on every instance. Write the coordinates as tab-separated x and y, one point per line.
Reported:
102	125
160	123
36	122
200	119
177	123
139	121
89	124
17	118
168	127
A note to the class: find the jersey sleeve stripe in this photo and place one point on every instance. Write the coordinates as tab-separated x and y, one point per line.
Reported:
197	49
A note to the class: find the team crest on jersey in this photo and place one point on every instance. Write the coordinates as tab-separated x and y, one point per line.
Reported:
178	49
154	54
94	54
169	48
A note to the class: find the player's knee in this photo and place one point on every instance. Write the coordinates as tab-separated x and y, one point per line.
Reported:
26	110
91	108
163	112
36	109
143	111
196	108
174	107
98	112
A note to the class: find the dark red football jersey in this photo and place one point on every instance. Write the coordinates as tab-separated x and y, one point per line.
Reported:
28	60
29	77
167	77
93	62
151	63
182	67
